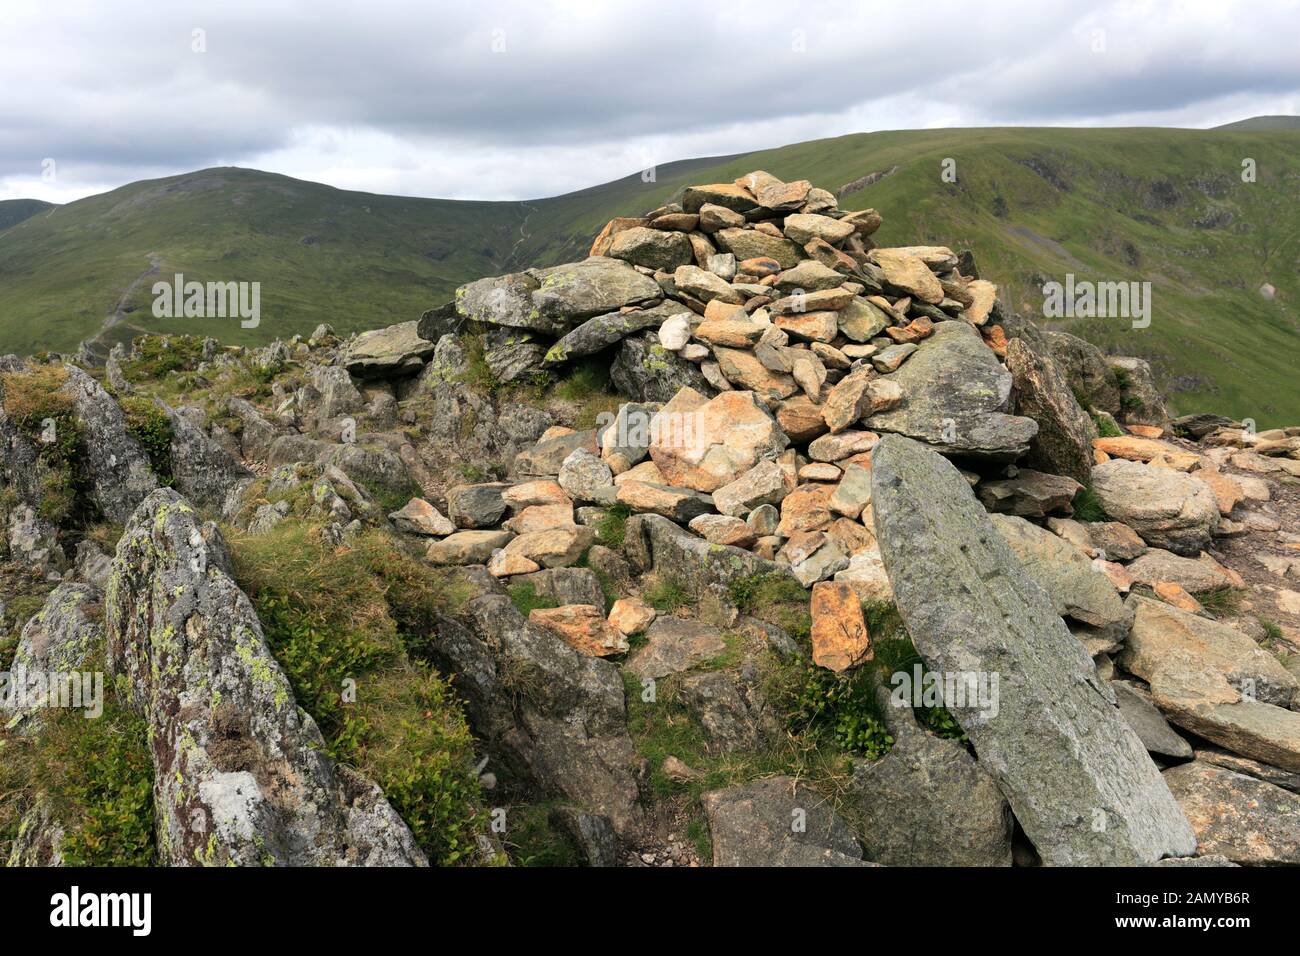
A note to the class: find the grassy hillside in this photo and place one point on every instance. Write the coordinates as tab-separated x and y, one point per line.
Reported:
1263	122
14	211
1159	205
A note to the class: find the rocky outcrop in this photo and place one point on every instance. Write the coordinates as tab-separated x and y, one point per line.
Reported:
554	714
1063	445
116	465
241	776
1076	775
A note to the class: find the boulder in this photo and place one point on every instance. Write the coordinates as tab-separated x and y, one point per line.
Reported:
1063	445
596	335
705	444
1076	775
1238	817
673	645
1076	588
928	802
1085	370
1167	508
115	464
394	352
466	547
1152	729
241	775
647	372
1140	400
777	821
652	248
1213	680
551	713
1030	494
476	506
956	398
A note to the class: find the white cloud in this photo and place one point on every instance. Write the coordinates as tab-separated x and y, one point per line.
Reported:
498	100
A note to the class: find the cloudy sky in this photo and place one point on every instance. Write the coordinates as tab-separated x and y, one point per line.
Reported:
518	100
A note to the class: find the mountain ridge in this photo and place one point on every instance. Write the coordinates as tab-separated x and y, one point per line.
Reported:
1159	205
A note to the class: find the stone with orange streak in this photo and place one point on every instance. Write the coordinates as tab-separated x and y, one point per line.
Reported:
1177	595
840	639
583	627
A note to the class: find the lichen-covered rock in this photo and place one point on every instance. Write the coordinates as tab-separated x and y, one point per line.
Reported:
396	351
645	371
241	775
1238	817
1056	742
956	396
776	821
56	639
928	802
203	471
118	469
1140	400
1085	369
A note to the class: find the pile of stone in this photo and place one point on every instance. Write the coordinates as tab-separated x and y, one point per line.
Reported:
758	285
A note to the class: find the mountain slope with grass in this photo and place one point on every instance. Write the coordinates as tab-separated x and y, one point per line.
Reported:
1123	205
14	211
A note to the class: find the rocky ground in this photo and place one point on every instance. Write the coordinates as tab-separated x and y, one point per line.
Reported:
741	542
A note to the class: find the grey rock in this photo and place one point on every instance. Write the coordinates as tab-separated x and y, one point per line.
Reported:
394	352
118	469
956	396
673	645
1063	445
202	470
1085	369
550	713
1152	729
1140	400
653	542
596	335
647	372
927	802
240	772
754	825
1075	588
593	835
586	477
476	506
1058	746
566	586
1167	508
1031	494
545	458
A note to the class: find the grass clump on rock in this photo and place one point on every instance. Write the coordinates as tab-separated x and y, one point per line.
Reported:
349	626
45	415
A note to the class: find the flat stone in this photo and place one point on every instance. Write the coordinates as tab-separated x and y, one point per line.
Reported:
1031	494
751	825
417	516
677	504
1214	681
583	627
1152	729
956	398
1237	817
1075	588
674	645
467	547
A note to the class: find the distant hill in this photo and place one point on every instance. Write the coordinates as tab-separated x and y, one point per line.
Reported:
1161	205
1256	123
14	211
